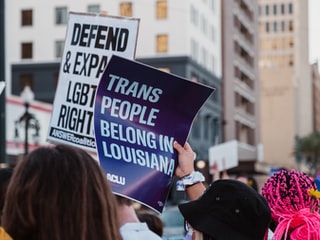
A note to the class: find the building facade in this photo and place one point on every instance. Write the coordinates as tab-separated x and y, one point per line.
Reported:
315	74
286	87
180	37
241	85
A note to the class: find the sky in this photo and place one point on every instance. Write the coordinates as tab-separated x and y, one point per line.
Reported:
314	31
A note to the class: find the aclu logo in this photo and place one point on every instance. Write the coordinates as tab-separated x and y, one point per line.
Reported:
116	179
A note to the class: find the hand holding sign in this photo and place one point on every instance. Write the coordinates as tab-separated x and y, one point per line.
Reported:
134	138
90	42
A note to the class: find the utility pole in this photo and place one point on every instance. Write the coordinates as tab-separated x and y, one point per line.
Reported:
3	141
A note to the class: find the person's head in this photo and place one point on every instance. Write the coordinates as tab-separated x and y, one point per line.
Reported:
247	179
5	175
294	212
61	193
228	209
153	221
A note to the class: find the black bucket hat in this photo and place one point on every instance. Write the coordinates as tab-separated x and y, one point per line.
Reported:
227	210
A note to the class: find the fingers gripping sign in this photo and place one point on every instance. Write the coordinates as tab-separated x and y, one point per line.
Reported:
185	159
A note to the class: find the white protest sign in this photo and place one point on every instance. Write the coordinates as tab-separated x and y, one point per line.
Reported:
225	155
2	85
90	42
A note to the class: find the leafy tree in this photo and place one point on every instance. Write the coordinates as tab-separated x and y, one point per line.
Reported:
309	148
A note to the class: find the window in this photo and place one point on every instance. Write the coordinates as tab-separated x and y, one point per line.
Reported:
165	69
94	8
55	79
212	5
290	8
26	17
58	48
267	10
283	26
126	9
162	9
259	10
282	9
194	49
267	27
26	50
291	60
204	56
207	125
274	9
290	26
275	27
196	127
213	63
291	43
162	43
194	15
26	80
212	33
204	24
61	15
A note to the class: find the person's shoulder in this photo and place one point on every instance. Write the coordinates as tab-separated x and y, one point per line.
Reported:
137	231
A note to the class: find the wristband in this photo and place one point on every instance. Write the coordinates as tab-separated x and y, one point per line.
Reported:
192	178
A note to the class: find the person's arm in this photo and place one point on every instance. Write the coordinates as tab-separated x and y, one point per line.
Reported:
186	157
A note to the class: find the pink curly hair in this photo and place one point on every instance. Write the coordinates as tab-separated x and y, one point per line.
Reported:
287	193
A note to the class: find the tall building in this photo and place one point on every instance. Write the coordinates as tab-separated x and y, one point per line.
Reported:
182	37
241	106
286	93
315	74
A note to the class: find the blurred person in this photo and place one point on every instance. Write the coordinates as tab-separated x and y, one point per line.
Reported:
130	226
216	175
294	202
248	179
59	192
153	220
227	209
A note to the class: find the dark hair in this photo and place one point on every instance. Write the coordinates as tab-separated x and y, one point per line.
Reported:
153	221
59	193
5	175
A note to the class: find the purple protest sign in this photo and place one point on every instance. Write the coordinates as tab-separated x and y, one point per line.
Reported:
139	111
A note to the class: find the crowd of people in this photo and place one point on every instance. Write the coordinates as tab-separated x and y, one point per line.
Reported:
61	192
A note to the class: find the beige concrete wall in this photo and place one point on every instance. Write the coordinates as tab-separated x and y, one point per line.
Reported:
277	116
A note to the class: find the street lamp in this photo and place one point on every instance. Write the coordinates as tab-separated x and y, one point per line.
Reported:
28	118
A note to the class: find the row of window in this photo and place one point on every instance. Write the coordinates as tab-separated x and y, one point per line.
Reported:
199	20
277	61
284	43
27	47
242	29
126	9
275	26
245	134
243	53
275	9
162	46
201	125
200	55
243	77
244	104
245	9
61	13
